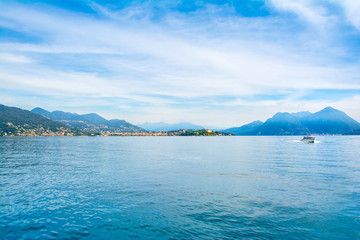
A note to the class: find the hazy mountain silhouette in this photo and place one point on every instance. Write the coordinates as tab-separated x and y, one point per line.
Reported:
330	121
326	121
282	124
247	129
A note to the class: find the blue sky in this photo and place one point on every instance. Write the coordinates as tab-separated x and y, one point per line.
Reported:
220	63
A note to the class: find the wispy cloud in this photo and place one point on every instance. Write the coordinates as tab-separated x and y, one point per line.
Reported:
12	58
351	9
211	60
315	14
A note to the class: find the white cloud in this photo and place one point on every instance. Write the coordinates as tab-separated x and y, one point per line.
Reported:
308	10
352	11
12	58
318	13
126	54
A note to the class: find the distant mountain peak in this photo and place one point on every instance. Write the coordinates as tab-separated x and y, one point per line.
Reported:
257	122
39	110
93	118
328	112
330	109
92	115
301	114
247	129
281	116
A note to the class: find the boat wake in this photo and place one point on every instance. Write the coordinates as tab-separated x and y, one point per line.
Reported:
299	141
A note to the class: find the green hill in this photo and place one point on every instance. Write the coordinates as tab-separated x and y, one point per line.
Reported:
18	122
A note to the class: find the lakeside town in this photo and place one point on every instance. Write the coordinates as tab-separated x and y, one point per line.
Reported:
26	130
181	132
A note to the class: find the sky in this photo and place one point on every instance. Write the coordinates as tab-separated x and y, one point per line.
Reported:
216	63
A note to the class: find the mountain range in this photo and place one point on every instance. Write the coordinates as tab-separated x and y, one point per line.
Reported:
18	122
89	123
326	121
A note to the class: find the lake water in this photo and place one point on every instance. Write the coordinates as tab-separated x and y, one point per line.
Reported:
179	188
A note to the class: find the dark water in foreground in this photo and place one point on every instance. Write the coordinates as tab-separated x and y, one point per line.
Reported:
179	188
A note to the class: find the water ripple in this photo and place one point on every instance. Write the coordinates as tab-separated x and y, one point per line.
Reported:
179	188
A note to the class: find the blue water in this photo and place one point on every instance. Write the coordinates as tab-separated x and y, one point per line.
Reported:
179	188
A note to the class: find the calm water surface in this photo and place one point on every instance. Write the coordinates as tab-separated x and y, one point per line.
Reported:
179	188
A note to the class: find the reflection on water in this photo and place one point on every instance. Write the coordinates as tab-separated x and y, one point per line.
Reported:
179	187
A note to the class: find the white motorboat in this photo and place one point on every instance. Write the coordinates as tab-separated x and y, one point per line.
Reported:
308	139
